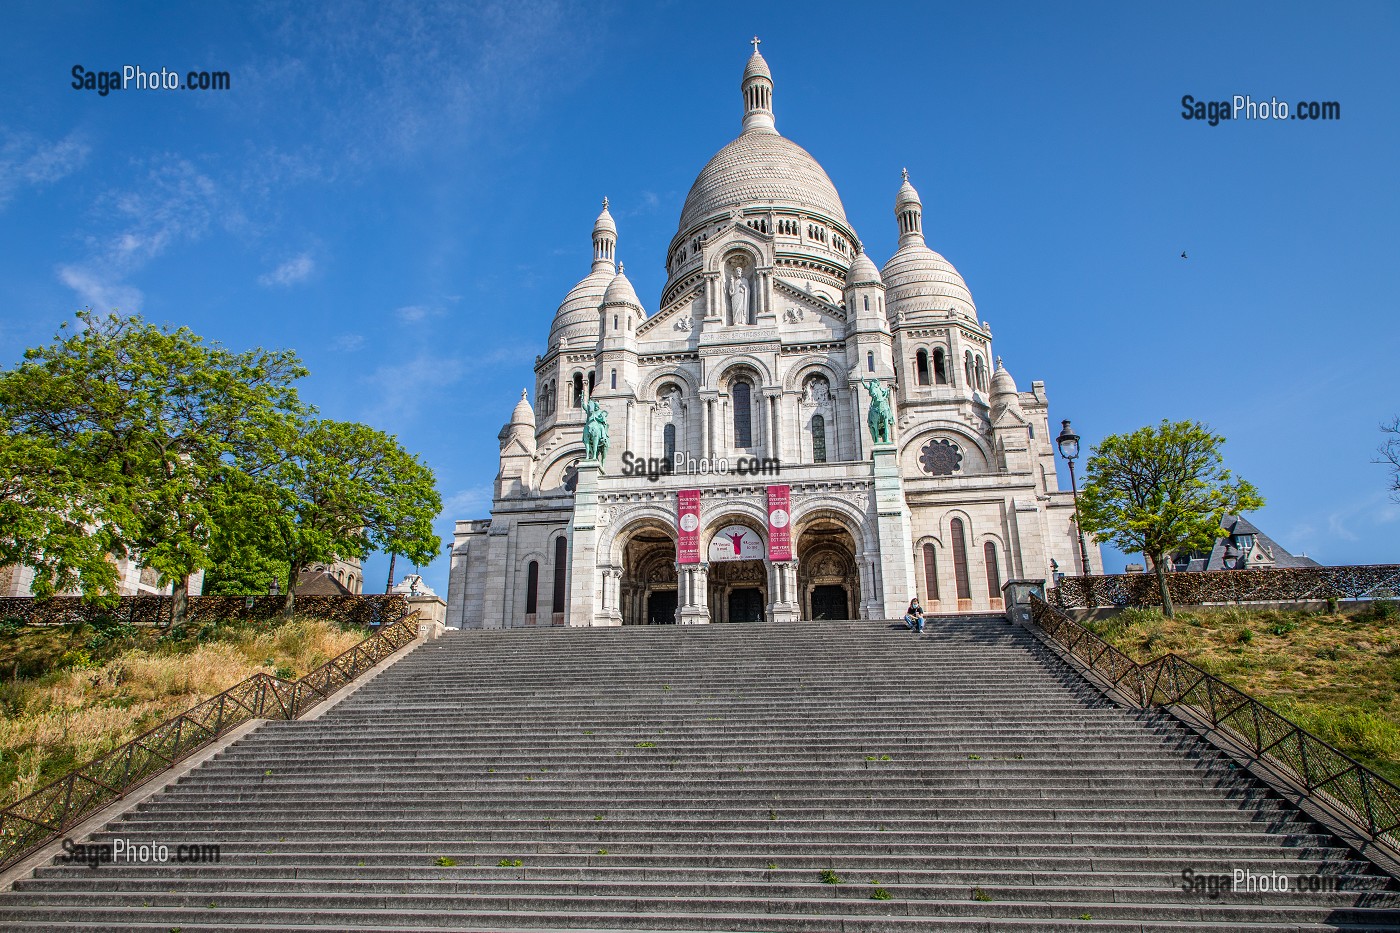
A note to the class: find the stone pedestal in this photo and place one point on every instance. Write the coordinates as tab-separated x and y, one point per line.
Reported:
693	594
782	592
585	579
895	586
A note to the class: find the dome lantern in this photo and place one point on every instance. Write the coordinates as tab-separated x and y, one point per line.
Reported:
604	240
757	85
909	210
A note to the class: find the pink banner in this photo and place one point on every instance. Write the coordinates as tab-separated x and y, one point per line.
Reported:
779	524
688	524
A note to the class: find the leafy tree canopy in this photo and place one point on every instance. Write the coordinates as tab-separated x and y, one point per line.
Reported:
1160	490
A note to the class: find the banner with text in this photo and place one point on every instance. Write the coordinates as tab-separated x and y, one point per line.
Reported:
688	521
779	524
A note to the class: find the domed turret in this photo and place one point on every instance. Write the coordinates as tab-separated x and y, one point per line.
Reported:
521	427
863	271
604	239
576	321
917	279
757	86
1004	392
621	292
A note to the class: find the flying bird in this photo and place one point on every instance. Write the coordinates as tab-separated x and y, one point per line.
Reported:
1183	254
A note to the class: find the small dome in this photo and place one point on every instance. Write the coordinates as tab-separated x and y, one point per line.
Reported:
604	223
523	413
907	196
757	67
863	271
620	291
1002	383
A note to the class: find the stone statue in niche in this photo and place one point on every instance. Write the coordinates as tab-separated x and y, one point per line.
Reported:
740	300
816	391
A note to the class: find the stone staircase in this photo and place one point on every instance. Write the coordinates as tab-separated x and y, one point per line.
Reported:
718	778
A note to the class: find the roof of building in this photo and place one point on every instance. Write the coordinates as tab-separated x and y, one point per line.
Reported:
319	583
1225	552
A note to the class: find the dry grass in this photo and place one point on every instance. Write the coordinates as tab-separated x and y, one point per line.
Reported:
1335	674
103	691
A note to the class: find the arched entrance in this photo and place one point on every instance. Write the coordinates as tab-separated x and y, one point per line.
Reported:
647	593
738	573
828	582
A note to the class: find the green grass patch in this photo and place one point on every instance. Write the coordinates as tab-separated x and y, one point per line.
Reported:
1335	673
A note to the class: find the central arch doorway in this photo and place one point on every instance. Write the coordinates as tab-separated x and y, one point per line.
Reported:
647	594
738	591
828	582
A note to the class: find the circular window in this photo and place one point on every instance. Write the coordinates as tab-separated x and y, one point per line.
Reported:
940	457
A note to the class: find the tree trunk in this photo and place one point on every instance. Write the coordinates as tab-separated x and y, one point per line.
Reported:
1159	563
289	600
179	601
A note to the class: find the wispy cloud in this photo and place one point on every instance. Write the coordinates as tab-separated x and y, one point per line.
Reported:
292	272
468	503
411	314
99	292
26	161
348	343
400	391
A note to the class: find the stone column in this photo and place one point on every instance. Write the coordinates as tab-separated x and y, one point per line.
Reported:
692	582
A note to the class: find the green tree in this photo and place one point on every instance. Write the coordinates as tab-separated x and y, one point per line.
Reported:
348	489
48	524
1160	490
149	426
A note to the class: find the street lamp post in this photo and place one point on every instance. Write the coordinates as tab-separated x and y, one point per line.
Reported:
1068	442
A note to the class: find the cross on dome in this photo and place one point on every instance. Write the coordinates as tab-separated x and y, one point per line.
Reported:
904	173
605	202
754	42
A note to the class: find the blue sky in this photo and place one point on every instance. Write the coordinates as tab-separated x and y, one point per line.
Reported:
404	192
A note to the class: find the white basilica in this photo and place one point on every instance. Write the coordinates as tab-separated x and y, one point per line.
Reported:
750	380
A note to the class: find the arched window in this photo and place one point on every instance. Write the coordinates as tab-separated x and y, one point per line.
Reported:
940	367
591	376
960	560
921	367
867	302
967	368
668	441
578	390
930	573
614	323
561	570
818	439
870	361
981	375
613	379
743	414
532	588
989	553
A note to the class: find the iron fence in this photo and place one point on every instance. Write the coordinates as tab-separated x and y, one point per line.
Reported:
1367	581
32	821
1171	681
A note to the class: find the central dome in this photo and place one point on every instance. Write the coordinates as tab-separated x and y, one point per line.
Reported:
761	169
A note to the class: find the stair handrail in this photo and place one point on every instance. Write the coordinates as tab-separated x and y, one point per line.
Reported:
36	819
1371	801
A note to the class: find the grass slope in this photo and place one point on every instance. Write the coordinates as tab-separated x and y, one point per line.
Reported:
71	693
1337	675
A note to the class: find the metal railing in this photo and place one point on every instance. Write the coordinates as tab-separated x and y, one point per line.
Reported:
1369	800
1196	588
33	821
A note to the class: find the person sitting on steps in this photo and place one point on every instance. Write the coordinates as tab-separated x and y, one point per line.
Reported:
914	616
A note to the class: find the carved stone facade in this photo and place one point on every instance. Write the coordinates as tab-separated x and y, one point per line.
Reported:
771	320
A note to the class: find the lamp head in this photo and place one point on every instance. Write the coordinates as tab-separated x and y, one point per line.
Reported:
1068	442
